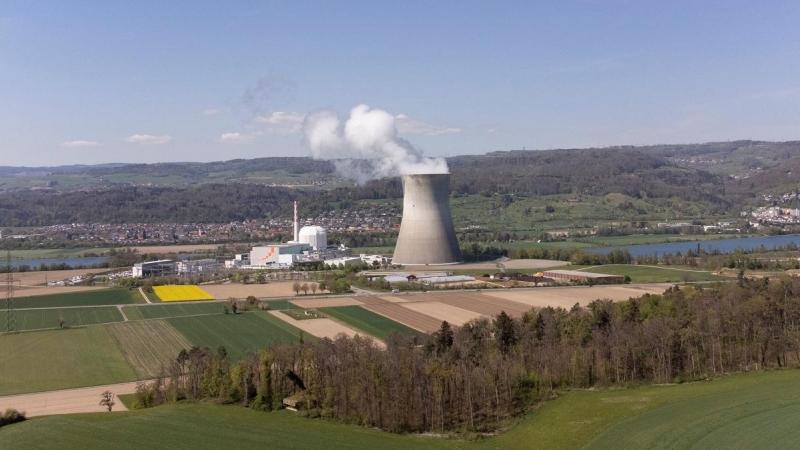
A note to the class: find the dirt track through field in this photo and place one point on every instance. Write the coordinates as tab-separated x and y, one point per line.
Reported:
324	302
413	319
68	401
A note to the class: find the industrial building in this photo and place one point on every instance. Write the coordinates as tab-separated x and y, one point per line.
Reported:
162	268
277	254
316	237
427	236
198	266
583	277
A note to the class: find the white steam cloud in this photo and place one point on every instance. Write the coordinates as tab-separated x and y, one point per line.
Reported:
366	147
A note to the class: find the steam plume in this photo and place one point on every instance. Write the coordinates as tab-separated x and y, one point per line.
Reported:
366	147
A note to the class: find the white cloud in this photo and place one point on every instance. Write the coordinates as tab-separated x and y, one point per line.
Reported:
281	122
236	137
79	144
148	139
408	125
211	112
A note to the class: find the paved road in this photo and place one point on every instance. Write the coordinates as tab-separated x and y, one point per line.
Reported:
68	401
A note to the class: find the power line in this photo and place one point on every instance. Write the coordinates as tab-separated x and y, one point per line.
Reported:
11	314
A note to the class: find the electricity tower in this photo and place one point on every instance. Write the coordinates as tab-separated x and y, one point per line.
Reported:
11	314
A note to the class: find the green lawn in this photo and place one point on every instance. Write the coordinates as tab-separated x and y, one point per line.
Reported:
640	239
740	411
36	319
653	274
163	310
367	321
60	359
239	333
117	296
755	410
279	305
199	426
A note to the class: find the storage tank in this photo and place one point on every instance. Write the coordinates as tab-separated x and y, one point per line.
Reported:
314	236
426	234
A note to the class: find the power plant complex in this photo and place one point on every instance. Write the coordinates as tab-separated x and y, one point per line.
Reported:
427	236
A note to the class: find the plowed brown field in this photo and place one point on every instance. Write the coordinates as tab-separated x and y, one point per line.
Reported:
413	319
567	297
482	304
273	289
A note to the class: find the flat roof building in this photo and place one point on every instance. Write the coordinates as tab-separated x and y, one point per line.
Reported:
583	277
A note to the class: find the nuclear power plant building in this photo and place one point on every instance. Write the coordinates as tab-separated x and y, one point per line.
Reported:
427	235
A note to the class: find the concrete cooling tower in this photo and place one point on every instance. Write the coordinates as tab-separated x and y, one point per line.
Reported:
426	231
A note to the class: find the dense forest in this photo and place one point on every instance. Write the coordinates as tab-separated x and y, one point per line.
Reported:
477	376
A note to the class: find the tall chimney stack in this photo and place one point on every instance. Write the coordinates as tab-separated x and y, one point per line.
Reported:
426	234
296	224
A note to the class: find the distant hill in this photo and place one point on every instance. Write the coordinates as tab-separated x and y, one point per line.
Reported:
688	181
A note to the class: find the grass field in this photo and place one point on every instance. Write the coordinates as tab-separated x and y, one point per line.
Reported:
653	274
198	427
367	321
60	359
755	410
181	293
36	319
163	311
117	296
148	345
239	333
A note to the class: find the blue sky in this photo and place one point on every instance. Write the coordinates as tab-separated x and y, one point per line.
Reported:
95	82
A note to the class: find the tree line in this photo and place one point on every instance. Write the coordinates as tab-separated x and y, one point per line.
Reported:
477	376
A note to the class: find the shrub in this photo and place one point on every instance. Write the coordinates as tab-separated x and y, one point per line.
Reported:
10	416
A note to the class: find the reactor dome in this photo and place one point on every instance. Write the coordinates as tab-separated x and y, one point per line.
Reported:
314	236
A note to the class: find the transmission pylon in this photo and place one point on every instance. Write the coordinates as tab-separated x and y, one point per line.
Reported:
11	314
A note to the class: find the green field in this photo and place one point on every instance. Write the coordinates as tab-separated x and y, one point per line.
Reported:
117	296
60	359
755	410
641	239
198	427
279	305
163	311
367	321
239	333
653	274
36	319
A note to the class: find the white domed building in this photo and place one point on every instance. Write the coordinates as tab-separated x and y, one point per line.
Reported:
315	236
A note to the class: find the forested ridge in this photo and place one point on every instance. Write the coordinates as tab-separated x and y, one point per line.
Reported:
475	377
518	173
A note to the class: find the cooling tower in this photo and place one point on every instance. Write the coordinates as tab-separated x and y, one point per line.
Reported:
426	231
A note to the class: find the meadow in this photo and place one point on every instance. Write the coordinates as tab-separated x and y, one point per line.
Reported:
60	359
117	296
656	274
164	310
238	333
36	319
367	321
753	410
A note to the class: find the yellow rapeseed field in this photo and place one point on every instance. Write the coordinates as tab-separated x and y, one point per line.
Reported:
181	293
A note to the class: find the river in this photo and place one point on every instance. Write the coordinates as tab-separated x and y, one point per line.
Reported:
723	245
